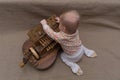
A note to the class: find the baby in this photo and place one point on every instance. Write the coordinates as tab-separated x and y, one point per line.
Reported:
68	38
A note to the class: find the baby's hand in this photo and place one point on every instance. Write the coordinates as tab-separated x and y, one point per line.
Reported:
57	19
43	22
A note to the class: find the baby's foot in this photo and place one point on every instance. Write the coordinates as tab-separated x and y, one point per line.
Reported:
79	72
90	53
76	69
93	55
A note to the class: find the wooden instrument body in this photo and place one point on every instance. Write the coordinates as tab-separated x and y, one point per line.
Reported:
40	50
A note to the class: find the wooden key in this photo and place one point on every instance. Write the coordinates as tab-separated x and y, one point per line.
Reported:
34	52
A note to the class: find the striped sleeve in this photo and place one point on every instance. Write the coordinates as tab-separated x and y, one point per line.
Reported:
54	35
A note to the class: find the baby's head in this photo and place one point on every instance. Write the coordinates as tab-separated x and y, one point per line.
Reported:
69	21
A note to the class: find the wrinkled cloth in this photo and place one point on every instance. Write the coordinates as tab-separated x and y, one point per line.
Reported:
99	30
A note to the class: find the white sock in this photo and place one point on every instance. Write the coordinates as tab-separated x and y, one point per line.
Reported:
75	67
88	52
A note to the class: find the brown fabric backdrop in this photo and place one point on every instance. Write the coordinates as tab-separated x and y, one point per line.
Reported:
99	30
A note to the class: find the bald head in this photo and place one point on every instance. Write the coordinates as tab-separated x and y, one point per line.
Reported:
70	20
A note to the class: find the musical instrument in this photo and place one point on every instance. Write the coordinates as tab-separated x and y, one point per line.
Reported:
40	50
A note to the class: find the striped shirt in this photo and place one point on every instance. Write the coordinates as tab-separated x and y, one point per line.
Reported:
70	43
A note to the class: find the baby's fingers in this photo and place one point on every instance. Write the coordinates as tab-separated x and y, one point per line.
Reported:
43	22
58	19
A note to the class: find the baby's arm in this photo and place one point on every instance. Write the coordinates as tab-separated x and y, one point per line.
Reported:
54	35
